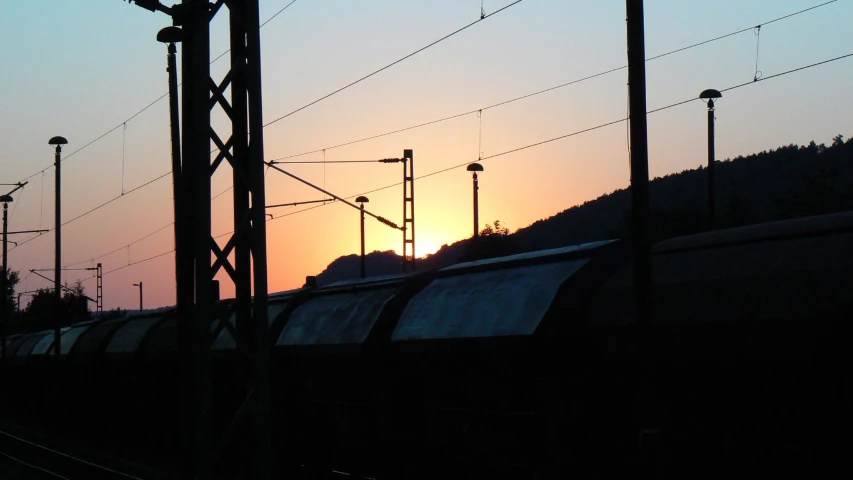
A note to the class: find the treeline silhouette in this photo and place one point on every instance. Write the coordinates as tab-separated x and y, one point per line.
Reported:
788	182
41	313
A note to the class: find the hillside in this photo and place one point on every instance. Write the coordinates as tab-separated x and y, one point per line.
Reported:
788	182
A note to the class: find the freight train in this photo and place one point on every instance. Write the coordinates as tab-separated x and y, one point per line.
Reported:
526	366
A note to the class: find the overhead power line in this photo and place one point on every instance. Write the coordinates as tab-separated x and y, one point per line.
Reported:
120	125
386	67
277	13
96	208
123	247
549	89
433	121
507	152
116	198
471	112
579	132
149	234
161	97
747	29
532	145
323	162
139	261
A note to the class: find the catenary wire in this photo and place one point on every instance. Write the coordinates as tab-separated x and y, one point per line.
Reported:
527	146
161	97
15	206
122	247
549	89
123	124
34	467
153	257
96	208
147	235
507	152
614	122
71	457
386	67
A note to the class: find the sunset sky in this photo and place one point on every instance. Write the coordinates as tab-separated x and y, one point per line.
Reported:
83	68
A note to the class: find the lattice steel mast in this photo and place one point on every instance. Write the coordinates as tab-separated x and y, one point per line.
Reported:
202	319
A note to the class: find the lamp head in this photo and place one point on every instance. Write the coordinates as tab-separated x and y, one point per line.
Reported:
475	167
57	141
710	94
362	199
6	199
170	35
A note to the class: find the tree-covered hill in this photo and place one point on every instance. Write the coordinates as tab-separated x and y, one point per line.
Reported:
788	182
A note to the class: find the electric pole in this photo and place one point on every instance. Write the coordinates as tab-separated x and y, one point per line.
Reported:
57	143
646	406
201	256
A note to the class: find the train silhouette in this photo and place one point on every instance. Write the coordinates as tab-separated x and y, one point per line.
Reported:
526	366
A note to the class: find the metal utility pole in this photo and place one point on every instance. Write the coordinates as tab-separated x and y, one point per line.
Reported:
248	242
474	168
58	142
63	287
362	200
639	160
408	228
99	289
99	279
5	199
646	404
408	209
710	95
171	36
202	257
140	294
336	197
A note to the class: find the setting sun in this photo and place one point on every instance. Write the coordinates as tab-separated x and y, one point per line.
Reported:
423	247
427	246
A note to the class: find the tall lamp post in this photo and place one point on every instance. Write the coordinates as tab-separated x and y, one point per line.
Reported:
57	142
710	95
140	294
361	201
171	36
5	199
4	310
474	168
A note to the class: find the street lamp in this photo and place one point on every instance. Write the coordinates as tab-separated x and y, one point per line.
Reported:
362	200
171	36
140	294
5	199
710	95
57	142
474	168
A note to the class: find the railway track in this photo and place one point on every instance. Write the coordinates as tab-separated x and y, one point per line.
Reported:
24	459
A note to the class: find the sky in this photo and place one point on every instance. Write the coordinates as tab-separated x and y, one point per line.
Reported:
83	69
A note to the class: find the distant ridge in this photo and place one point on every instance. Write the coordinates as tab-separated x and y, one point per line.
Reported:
788	182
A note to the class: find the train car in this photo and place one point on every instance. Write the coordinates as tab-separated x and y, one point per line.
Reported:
527	366
749	362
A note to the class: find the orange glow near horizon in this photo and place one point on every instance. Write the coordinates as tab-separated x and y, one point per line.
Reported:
315	48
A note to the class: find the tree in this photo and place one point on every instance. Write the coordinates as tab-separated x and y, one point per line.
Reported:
75	302
493	241
12	279
838	140
496	230
41	313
